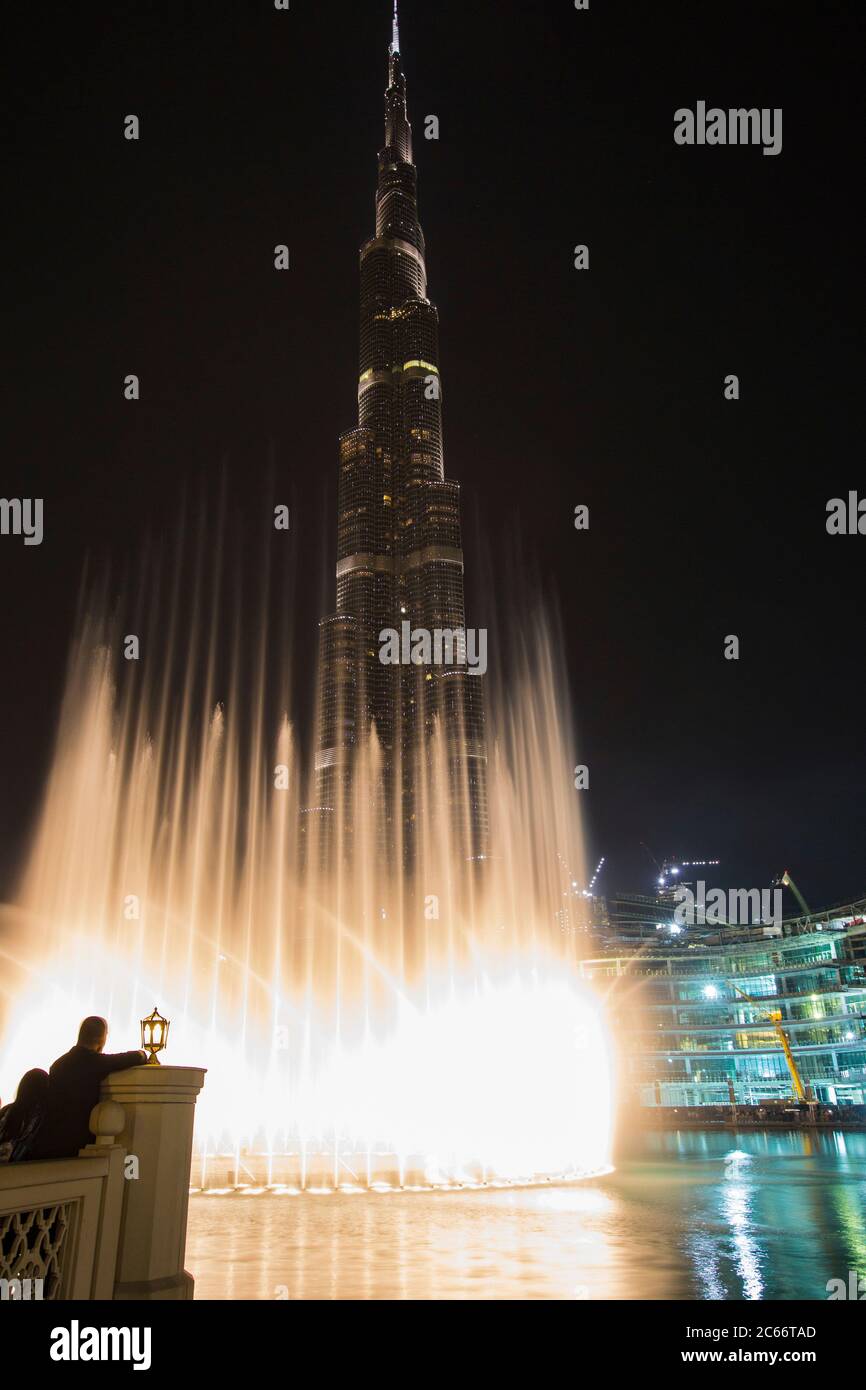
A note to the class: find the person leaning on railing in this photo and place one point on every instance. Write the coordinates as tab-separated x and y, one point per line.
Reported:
73	1090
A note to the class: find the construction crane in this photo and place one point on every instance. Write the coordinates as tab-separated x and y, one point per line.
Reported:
775	1017
785	881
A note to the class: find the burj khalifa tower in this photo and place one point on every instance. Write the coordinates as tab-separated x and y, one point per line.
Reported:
400	554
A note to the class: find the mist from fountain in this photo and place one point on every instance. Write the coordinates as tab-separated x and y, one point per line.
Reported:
359	1025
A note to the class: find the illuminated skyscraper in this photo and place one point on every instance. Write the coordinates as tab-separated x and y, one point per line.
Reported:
399	546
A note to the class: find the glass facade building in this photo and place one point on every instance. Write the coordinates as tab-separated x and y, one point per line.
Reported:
687	1036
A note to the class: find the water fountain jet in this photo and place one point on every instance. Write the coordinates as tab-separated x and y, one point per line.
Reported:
351	1036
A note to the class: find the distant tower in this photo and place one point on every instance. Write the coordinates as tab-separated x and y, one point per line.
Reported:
399	546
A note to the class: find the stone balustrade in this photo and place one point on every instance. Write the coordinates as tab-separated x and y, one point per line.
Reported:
110	1223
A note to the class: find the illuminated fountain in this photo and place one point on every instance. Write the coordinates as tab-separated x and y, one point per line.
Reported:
359	1027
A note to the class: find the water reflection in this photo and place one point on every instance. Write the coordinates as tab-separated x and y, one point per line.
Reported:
685	1216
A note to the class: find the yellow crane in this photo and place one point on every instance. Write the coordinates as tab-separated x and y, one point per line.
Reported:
775	1017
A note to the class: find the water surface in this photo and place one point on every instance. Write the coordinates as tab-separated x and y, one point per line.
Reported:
684	1216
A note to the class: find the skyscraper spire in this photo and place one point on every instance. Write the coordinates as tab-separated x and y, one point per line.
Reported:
399	548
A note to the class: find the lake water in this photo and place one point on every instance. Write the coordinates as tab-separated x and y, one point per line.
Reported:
684	1216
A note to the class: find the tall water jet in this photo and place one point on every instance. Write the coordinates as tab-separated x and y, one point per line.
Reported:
359	1024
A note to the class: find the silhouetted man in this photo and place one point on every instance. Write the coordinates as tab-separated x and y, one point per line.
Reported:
73	1090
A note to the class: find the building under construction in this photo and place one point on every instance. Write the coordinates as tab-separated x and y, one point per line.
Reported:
703	1019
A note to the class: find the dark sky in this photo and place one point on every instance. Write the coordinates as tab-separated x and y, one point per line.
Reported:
604	388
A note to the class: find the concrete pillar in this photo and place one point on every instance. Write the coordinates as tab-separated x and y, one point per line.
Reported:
159	1105
107	1122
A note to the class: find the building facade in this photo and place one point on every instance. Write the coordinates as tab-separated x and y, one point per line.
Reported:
399	543
687	1036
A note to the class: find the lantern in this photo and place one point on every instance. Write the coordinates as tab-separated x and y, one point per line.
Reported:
154	1036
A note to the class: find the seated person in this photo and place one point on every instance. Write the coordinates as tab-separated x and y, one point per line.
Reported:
73	1090
20	1121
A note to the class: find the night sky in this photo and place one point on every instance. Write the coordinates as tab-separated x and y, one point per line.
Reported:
605	388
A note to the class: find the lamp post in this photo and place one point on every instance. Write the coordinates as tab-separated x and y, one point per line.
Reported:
159	1109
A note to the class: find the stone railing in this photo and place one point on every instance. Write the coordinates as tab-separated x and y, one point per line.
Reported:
60	1218
111	1223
